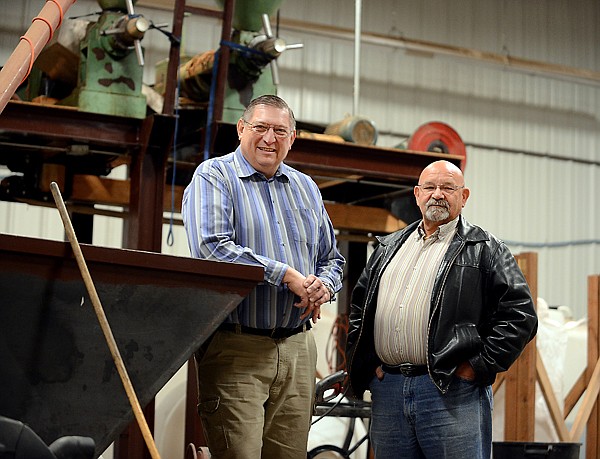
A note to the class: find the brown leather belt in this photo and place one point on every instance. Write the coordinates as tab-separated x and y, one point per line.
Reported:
275	333
405	369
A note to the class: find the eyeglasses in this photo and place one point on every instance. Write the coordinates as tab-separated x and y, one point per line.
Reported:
446	189
262	129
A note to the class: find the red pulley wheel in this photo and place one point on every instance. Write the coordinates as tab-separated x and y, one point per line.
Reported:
440	138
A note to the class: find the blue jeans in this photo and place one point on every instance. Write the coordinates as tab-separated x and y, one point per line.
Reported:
412	419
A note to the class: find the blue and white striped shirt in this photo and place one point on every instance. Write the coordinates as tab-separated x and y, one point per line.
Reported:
233	213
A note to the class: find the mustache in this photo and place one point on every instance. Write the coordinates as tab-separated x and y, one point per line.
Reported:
438	202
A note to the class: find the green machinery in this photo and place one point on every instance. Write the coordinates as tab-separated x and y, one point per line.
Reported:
111	63
252	69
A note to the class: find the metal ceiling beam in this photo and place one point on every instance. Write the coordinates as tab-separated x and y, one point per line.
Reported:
368	161
71	125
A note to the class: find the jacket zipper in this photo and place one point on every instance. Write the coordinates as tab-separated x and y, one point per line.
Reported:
436	304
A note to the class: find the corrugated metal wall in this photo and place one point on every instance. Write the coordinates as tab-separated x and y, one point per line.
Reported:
532	139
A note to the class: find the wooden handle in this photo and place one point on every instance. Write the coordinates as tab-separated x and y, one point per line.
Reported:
110	340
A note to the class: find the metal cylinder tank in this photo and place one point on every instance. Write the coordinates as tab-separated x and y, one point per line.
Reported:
247	14
354	129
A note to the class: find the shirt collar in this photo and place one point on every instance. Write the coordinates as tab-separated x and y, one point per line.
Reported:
443	231
244	168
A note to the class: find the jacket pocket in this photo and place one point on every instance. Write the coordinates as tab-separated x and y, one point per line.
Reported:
461	345
467	340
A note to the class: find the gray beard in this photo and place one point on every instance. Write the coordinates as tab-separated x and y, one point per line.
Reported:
436	213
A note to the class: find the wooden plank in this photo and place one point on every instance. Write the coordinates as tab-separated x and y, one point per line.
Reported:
551	401
361	218
324	184
112	192
322	137
519	417
592	445
587	406
575	393
90	188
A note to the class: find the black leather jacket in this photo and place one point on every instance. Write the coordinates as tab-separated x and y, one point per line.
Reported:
481	309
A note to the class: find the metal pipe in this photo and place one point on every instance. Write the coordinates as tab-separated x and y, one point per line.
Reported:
224	51
17	67
513	63
357	38
170	99
137	43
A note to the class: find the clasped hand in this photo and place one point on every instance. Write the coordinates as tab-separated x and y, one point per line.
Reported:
311	291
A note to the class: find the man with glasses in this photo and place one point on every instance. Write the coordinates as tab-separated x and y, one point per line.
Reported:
439	310
256	374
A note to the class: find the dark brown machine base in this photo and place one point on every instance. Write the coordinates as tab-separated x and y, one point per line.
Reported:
57	374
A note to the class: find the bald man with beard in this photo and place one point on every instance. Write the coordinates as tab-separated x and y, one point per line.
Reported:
440	309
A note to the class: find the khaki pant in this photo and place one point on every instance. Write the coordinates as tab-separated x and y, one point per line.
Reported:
256	395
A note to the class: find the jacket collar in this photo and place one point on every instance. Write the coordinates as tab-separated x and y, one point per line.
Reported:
466	231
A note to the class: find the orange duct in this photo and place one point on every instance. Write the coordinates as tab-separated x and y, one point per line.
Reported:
19	64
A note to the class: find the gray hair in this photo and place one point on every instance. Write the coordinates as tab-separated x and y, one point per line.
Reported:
271	101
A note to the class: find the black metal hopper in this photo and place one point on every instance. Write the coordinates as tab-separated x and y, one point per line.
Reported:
56	371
